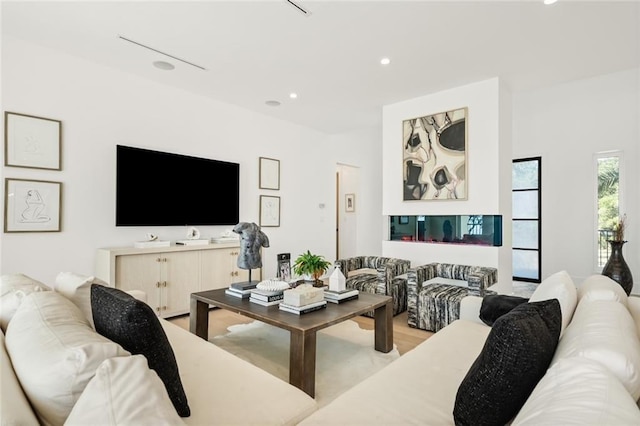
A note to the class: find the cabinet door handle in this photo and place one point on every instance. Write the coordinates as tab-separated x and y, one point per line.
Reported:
158	259
158	284
164	284
164	308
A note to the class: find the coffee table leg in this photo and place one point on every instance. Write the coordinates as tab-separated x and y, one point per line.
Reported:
302	361
199	318
384	328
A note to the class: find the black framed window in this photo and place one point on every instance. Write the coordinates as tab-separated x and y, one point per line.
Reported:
527	219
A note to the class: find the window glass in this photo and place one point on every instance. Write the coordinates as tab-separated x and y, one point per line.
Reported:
608	202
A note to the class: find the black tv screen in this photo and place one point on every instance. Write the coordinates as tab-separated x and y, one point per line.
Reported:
156	188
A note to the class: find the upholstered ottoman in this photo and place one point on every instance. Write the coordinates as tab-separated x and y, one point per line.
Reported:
441	304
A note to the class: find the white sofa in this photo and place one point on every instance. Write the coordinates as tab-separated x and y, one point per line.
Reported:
52	375
593	378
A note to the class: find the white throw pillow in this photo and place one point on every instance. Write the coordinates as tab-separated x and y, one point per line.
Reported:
13	288
77	288
604	331
124	391
600	287
578	391
558	286
13	402
55	353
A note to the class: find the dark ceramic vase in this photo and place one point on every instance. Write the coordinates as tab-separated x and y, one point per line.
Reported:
617	269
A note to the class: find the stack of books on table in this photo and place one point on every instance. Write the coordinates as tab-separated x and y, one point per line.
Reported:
340	296
304	309
241	290
266	297
303	299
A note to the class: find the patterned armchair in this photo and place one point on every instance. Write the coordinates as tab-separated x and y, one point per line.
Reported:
378	275
475	278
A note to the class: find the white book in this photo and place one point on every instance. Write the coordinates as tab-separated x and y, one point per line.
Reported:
192	242
305	309
263	303
341	295
302	308
156	243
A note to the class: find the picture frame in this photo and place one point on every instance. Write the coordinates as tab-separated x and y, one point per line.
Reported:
350	202
434	157
32	205
269	211
32	142
269	173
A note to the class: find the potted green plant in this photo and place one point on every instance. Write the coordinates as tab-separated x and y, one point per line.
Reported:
312	265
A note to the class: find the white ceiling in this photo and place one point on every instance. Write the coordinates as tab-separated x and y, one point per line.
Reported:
255	51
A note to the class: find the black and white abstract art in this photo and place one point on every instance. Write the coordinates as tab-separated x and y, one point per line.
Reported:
434	159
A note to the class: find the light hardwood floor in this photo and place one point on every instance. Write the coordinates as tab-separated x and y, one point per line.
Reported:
405	337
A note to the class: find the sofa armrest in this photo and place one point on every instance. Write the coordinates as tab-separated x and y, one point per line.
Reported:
349	264
415	278
470	308
482	278
388	271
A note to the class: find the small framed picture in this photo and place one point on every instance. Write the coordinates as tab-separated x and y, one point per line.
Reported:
269	211
269	173
350	202
31	141
32	205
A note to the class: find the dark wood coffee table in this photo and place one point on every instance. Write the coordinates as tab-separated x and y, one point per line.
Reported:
303	328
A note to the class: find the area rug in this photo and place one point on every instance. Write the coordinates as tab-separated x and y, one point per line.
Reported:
344	354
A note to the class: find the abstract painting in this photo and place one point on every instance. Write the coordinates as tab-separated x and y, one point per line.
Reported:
434	159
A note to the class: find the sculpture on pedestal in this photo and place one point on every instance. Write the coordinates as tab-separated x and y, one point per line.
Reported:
252	239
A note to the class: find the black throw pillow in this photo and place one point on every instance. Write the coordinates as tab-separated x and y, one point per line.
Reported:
514	358
132	324
495	305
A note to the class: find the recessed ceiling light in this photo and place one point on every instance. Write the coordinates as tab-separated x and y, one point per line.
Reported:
293	95
166	66
385	61
273	103
547	2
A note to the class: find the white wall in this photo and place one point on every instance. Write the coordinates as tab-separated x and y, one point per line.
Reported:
567	125
489	181
100	107
362	149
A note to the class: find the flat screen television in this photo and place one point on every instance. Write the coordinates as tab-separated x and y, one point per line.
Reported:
156	188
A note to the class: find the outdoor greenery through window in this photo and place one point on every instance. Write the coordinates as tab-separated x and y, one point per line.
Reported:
608	207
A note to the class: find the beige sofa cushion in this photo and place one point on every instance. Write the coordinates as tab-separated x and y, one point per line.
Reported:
124	391
13	288
420	388
558	286
13	402
600	287
224	389
604	331
578	391
55	353
77	288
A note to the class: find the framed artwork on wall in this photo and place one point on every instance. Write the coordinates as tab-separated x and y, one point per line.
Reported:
32	205
434	159
350	202
269	211
31	141
269	173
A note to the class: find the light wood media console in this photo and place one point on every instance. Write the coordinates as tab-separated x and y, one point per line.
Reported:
168	275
